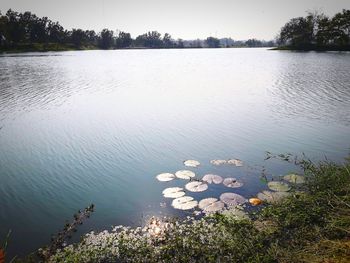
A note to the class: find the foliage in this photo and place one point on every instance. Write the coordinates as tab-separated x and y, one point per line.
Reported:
313	226
317	31
106	39
123	40
27	32
212	42
58	241
3	248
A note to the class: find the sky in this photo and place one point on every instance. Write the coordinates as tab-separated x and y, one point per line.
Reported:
187	19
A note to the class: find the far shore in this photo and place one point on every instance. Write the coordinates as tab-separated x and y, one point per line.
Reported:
53	47
313	48
58	48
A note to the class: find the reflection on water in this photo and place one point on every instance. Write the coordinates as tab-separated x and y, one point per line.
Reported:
98	126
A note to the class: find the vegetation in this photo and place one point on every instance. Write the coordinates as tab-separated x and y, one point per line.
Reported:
317	32
310	225
27	32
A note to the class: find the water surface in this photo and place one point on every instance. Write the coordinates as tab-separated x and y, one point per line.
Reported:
97	126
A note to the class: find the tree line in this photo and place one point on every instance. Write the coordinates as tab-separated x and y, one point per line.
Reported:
317	31
21	30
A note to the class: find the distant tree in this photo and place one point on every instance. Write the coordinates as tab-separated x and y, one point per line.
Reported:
150	39
168	42
3	29
15	33
106	39
340	28
153	39
78	37
212	42
180	43
56	33
91	37
323	35
123	40
254	43
317	30
297	32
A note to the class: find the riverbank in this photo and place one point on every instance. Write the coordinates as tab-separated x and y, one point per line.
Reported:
41	47
68	47
313	48
311	224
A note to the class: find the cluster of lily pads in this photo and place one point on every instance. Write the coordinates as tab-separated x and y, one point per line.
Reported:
208	205
226	201
280	189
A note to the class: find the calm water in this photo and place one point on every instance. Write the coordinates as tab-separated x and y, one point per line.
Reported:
97	126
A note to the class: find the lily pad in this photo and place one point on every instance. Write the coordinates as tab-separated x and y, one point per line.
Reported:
173	192
206	202
185	174
196	186
235	162
218	162
165	177
211	205
235	213
278	186
232	182
294	178
232	199
255	201
191	163
212	178
184	203
272	197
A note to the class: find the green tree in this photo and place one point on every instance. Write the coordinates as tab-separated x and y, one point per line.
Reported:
340	28
212	42
253	43
297	32
106	39
78	37
150	39
123	40
168	42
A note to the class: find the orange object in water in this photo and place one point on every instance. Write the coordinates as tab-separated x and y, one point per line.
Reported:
2	256
255	201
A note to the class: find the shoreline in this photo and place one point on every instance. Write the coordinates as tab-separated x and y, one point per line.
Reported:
59	48
310	224
317	49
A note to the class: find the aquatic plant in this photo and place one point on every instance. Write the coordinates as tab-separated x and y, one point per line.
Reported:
58	241
212	178
184	203
185	174
232	199
294	178
191	163
196	186
173	192
232	182
165	177
218	162
211	205
278	186
272	197
235	162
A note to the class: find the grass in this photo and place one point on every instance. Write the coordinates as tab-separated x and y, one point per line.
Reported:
308	226
43	47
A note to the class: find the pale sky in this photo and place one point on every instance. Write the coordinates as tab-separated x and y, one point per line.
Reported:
187	19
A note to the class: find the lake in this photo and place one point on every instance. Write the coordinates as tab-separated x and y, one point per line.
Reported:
96	127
